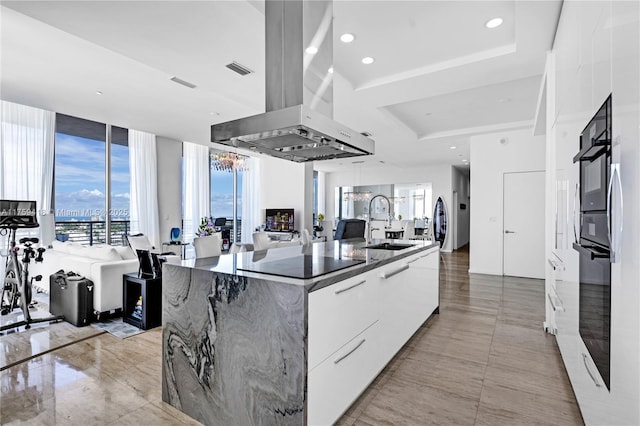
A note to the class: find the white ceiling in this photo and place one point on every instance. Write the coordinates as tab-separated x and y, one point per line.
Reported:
439	77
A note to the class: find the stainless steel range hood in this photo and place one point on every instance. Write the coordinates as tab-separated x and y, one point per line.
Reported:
298	124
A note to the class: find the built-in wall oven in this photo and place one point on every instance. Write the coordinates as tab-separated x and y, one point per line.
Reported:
594	243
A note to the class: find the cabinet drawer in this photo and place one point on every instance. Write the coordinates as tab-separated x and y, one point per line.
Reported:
425	260
338	381
338	313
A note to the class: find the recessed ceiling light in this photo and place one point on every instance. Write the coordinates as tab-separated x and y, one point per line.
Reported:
452	147
504	100
464	160
98	92
368	60
493	23
347	38
330	70
311	50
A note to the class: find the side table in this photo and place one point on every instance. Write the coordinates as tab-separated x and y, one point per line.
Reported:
183	247
148	313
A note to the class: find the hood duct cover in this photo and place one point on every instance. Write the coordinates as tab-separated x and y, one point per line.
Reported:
298	124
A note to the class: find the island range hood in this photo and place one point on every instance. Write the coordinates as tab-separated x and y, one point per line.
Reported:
298	125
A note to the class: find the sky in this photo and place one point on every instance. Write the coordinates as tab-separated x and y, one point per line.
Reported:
80	181
222	194
80	178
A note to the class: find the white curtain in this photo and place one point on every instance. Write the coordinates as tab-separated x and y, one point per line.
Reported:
251	212
144	185
197	191
26	157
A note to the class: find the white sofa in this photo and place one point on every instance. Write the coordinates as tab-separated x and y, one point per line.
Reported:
104	265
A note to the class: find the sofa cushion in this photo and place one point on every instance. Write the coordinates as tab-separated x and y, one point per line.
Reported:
105	253
126	253
60	246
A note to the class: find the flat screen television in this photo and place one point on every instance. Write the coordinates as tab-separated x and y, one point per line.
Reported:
279	220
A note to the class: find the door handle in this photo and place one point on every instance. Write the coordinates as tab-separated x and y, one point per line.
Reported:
586	365
386	275
612	234
576	202
509	232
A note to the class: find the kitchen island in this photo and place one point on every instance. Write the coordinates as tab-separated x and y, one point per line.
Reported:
290	335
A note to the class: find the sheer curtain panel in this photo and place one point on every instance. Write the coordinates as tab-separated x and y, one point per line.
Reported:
251	217
26	157
197	182
144	185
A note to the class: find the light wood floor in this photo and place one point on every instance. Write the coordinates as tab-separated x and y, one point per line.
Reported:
484	360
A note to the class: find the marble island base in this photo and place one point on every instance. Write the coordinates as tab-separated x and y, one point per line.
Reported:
234	348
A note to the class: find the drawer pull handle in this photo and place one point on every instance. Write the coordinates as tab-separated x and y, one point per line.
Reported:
586	365
421	257
386	275
551	301
342	290
350	352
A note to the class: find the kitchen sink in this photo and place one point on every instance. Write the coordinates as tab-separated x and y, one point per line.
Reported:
389	246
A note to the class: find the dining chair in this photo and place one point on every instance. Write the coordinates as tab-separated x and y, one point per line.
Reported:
350	228
261	240
306	237
208	246
237	248
408	226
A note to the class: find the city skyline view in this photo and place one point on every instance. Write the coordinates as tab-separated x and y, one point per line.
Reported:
80	182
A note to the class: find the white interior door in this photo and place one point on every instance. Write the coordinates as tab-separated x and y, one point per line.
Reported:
523	232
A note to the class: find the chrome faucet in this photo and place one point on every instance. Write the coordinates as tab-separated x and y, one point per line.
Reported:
369	230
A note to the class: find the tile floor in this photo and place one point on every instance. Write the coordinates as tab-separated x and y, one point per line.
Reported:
484	360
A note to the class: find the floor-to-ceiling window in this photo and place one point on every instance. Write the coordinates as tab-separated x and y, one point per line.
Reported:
223	199
80	181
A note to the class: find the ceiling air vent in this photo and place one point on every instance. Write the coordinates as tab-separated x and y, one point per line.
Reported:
239	68
184	83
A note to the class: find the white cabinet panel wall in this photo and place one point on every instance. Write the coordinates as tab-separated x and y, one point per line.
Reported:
597	52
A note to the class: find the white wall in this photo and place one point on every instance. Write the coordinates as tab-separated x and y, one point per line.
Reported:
490	159
169	157
439	176
460	185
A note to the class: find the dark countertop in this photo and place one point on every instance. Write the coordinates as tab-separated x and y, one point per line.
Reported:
340	251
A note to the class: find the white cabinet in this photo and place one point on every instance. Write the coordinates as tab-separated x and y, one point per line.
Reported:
339	312
340	379
356	326
597	51
409	291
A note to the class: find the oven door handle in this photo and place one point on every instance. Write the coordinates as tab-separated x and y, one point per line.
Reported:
591	252
609	191
575	207
613	235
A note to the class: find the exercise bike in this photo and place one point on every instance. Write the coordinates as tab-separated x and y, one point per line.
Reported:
17	287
